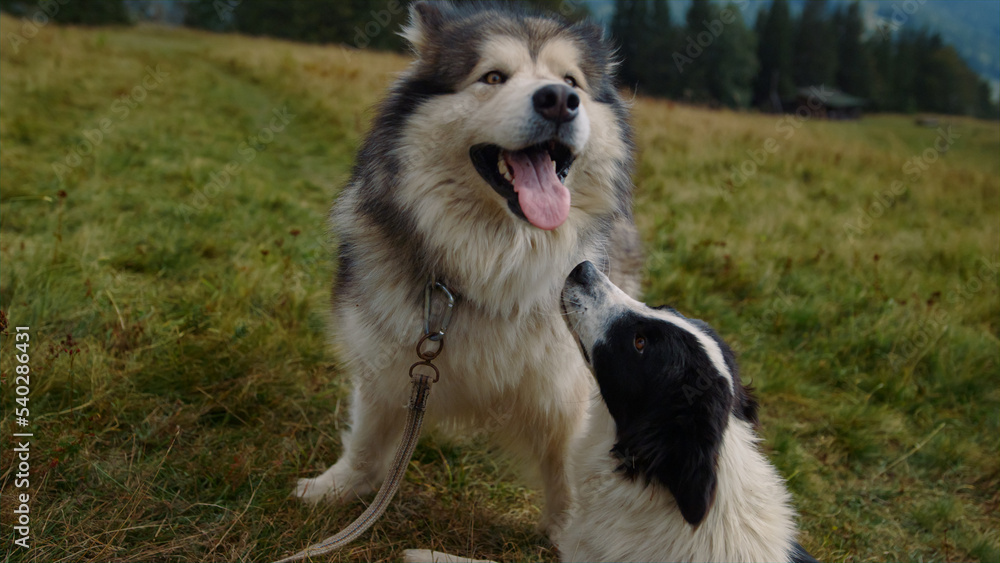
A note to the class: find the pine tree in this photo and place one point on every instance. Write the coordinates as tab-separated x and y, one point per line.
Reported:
985	107
80	12
569	10
213	15
904	72
663	39
925	81
774	51
700	46
815	55
854	65
735	60
627	25
882	94
645	38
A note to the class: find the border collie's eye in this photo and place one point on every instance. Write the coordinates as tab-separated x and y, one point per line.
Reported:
570	80
640	342
494	77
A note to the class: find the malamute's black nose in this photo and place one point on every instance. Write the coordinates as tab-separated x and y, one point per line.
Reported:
583	274
556	102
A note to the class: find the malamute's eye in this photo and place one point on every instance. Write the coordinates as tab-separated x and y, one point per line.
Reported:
640	342
494	77
570	80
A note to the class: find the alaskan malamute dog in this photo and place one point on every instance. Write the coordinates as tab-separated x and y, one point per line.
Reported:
498	161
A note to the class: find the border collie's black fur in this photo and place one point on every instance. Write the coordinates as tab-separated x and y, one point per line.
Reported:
667	436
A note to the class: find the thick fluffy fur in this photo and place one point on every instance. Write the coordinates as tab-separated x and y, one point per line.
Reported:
417	209
668	468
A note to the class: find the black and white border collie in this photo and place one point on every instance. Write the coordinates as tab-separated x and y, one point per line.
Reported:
668	468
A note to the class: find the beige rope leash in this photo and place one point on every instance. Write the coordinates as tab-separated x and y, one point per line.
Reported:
411	433
414	420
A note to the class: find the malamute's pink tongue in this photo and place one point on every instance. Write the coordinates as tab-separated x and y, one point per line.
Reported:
543	198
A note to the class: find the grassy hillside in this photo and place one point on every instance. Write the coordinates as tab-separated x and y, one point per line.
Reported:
175	279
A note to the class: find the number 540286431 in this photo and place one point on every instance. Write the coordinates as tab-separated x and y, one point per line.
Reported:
22	369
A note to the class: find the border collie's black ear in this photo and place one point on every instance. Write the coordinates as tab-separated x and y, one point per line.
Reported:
746	404
671	413
681	450
698	448
694	483
426	20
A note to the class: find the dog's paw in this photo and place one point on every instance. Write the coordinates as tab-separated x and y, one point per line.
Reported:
312	490
334	486
428	556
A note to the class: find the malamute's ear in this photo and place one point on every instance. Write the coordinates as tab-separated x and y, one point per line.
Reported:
426	19
597	45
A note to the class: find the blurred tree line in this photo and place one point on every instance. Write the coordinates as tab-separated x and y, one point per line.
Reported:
361	23
80	12
714	58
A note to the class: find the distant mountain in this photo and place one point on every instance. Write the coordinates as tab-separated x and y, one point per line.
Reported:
972	27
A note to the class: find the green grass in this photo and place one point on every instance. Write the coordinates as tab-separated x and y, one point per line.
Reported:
203	386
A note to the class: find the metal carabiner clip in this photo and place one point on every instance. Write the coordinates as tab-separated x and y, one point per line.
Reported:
449	308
